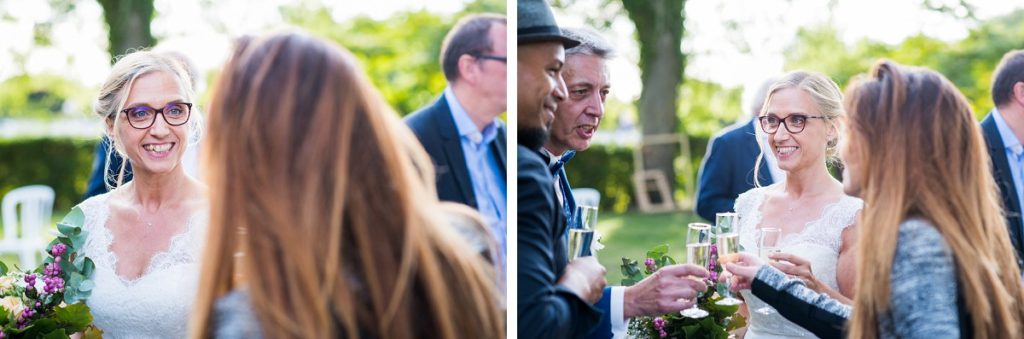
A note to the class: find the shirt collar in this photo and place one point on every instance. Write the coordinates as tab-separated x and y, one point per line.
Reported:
1009	139
465	125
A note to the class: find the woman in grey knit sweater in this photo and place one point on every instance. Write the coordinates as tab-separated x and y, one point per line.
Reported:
935	259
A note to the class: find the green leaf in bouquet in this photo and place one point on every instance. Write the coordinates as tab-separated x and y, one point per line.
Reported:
86	285
56	334
631	270
68	230
87	267
77	241
3	268
75	217
658	251
74	318
39	328
92	333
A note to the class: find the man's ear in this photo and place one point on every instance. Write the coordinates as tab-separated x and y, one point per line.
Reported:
468	69
1018	93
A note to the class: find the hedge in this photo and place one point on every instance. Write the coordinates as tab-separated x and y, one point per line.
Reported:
609	169
61	163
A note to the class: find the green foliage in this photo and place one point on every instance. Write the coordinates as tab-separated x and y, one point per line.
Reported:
39	96
967	63
61	163
400	55
717	324
609	169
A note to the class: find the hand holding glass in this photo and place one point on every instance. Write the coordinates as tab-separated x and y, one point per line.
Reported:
581	232
727	240
698	252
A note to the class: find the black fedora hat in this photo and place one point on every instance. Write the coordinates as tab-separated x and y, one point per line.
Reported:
537	24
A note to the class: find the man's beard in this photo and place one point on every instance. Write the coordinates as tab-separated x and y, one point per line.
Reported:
532	137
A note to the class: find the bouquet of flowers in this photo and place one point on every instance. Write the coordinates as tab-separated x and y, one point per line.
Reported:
48	302
718	324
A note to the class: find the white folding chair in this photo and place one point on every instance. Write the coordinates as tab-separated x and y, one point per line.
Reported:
23	231
586	196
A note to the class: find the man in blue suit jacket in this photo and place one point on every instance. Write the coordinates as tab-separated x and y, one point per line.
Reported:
1004	131
555	295
728	166
461	130
576	120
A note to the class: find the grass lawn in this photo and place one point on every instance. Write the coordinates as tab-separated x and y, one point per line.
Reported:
632	234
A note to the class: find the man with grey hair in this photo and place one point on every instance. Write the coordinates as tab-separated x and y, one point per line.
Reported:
576	120
461	131
728	166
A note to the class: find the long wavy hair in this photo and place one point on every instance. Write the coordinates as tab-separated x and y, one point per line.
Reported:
323	207
923	156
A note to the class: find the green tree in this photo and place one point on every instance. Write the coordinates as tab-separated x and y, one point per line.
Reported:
659	30
400	54
128	21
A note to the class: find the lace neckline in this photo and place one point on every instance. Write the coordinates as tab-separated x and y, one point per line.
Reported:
156	261
787	238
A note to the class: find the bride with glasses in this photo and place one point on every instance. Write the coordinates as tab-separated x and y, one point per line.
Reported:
804	222
145	235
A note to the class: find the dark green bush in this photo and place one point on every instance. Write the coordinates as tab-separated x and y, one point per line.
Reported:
609	169
61	163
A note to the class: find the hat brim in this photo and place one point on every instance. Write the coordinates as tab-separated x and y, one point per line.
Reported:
543	37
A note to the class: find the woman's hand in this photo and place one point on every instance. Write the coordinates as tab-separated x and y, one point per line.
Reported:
797	267
801	268
743	267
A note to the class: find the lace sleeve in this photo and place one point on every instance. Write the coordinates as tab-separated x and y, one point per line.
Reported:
844	215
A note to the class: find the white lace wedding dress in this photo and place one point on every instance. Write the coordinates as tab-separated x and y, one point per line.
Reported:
157	304
818	242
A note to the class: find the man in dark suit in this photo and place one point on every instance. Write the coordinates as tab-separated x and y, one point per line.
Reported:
555	295
588	82
1004	130
728	166
461	130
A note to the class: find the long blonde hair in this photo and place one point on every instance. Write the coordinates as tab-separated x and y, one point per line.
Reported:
329	200
923	156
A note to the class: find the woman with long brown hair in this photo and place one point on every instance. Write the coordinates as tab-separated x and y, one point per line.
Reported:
935	258
324	222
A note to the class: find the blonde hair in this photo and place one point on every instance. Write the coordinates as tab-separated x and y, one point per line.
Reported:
913	127
827	98
115	90
329	200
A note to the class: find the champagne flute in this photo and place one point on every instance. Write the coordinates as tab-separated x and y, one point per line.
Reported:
698	251
726	225
767	243
581	235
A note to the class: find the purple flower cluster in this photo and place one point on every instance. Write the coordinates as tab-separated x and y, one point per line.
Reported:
54	282
30	281
712	264
651	267
659	324
58	250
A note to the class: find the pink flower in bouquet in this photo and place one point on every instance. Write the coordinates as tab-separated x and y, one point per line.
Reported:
12	305
58	250
650	265
659	324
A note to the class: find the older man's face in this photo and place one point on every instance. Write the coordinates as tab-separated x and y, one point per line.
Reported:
576	119
541	87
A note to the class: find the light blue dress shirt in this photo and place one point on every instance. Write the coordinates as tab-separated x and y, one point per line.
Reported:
484	170
1014	154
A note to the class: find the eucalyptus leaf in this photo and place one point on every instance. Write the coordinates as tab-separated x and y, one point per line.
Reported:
86	285
75	217
3	268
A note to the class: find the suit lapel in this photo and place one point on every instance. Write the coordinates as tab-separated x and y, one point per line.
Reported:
1004	179
498	146
452	145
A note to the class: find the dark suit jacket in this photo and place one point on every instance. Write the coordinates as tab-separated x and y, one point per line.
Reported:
546	309
728	170
435	127
1004	179
96	186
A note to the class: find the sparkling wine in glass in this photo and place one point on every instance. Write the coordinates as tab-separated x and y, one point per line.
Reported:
698	251
767	243
726	225
581	235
